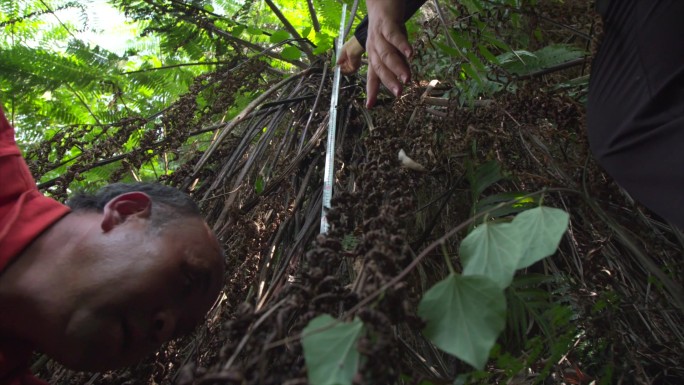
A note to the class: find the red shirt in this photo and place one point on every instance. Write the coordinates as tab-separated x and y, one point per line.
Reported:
14	359
24	214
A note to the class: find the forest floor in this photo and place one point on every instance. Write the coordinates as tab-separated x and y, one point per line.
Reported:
612	310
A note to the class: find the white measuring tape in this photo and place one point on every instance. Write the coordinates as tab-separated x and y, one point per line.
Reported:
329	174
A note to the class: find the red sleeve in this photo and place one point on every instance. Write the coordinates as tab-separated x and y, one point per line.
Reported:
7	144
14	360
24	214
24	211
23	378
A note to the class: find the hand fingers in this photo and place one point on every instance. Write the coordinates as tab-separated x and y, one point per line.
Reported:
394	50
389	65
348	67
355	63
372	87
350	57
382	68
397	38
388	48
345	64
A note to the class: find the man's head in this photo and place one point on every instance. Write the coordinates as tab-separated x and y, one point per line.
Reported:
169	203
145	268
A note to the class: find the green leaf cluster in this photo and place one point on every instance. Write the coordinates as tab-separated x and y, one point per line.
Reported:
464	313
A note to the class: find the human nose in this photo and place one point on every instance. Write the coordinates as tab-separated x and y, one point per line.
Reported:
163	326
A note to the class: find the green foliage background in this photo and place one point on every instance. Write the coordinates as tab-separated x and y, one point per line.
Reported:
65	95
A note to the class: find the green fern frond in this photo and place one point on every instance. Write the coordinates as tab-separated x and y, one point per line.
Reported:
522	62
329	12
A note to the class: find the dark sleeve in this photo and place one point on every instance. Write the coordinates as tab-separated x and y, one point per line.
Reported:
635	112
361	31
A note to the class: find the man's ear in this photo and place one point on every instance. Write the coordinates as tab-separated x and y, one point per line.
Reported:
125	205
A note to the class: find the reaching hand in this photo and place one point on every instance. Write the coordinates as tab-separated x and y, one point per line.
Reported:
388	48
350	56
